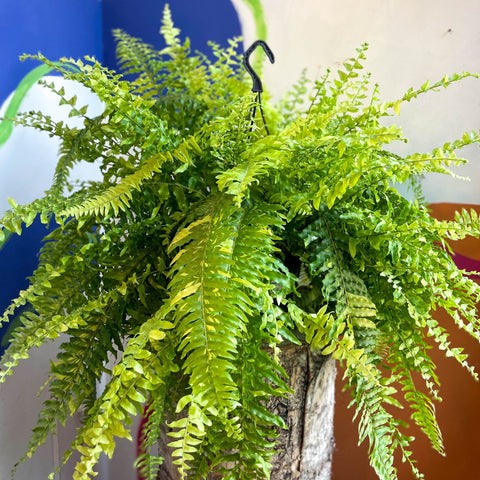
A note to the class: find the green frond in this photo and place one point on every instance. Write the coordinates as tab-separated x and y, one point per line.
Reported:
315	326
118	197
412	93
169	31
423	413
378	426
134	378
210	243
259	376
140	59
200	273
72	381
215	288
148	462
264	156
43	281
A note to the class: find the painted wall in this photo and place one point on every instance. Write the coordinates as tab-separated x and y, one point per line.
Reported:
57	29
410	42
27	162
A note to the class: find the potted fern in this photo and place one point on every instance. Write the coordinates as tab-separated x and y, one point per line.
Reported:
213	247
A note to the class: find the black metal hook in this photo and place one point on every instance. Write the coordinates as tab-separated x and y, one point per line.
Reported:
257	83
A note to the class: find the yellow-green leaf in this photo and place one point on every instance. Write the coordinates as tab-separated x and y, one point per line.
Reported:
156	335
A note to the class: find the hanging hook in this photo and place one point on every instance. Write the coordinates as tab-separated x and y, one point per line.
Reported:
257	83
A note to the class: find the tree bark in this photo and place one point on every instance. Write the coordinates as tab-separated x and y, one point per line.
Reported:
305	448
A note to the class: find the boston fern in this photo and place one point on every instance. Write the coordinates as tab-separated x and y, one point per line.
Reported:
211	242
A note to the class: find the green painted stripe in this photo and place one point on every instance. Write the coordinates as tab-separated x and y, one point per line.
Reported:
27	82
259	17
260	30
6	125
6	235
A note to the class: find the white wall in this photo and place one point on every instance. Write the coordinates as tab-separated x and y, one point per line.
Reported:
18	415
410	41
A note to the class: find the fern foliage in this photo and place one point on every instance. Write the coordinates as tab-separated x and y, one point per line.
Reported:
209	243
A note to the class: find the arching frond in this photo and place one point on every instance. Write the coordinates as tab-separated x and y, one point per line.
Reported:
118	197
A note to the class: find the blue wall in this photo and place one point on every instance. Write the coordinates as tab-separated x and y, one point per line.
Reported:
57	28
200	20
74	28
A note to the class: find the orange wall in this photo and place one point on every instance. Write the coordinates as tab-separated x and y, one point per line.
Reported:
458	414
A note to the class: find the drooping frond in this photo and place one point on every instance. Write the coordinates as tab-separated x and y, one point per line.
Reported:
149	459
379	426
216	287
139	374
206	299
226	289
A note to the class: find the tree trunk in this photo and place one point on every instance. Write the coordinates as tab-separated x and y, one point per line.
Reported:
305	449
